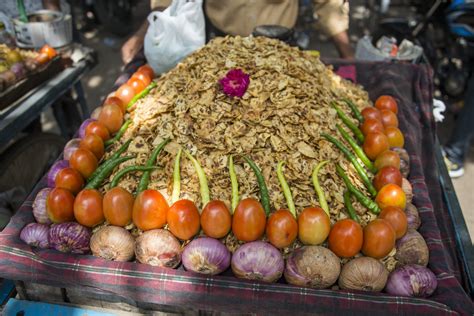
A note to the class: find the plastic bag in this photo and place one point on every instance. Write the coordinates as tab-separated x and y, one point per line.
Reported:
174	33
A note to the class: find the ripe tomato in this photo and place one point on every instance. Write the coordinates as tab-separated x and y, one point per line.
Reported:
248	222
49	51
98	129
345	238
371	126
216	220
371	113
375	144
386	175
395	137
387	158
118	206
59	205
379	239
387	102
183	219
397	218
281	228
83	161
125	93
94	144
88	208
149	210
112	117
116	101
136	84
146	69
69	179
143	77
388	118
313	226
391	195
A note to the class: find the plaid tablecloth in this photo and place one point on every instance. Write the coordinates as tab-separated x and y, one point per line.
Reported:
412	86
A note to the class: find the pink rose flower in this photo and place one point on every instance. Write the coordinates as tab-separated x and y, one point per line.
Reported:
235	83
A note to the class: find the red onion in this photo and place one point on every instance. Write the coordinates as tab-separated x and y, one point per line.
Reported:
39	207
411	280
71	147
206	255
70	237
53	172
19	70
35	235
82	128
413	217
258	260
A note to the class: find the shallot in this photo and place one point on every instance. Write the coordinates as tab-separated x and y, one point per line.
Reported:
70	237
39	207
206	256
411	280
35	235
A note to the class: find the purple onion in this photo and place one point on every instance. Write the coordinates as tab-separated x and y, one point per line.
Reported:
19	70
35	235
82	128
71	147
53	172
411	280
206	256
258	260
413	217
39	207
70	237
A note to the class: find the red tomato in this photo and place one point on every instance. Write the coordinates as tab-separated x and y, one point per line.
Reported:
389	118
125	93
379	239
142	77
146	69
59	205
397	218
371	113
150	210
83	161
371	126
136	84
116	101
183	219
395	137
386	175
94	144
391	195
98	129
88	208
387	102
118	206
281	228
69	179
216	220
42	58
248	222
49	51
112	117
313	226
387	158
375	144
345	238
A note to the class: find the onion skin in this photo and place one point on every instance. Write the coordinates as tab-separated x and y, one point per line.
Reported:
404	161
411	280
70	237
312	266
412	249
206	256
36	235
39	207
413	217
113	243
19	70
158	247
53	172
407	188
71	147
258	260
82	128
363	273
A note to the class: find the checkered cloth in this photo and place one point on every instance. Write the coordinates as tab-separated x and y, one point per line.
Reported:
412	86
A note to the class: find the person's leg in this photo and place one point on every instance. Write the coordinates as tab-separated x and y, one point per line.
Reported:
343	45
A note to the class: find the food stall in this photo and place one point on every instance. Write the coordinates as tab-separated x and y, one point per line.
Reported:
261	129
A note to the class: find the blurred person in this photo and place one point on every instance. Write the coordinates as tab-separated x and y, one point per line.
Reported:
10	7
240	17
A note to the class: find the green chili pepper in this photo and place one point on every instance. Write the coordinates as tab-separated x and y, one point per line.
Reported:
203	186
317	187
349	123
234	184
349	207
357	149
126	170
368	203
286	189
176	178
143	184
121	150
355	110
106	171
264	196
142	94
119	134
355	163
105	163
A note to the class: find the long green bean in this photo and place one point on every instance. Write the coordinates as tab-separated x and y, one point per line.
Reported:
317	186
286	189
357	132
357	149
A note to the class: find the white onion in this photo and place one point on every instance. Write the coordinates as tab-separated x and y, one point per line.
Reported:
158	247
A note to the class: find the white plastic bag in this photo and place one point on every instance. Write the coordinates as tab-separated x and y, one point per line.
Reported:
174	33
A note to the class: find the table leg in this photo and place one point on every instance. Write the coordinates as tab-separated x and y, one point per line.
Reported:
82	100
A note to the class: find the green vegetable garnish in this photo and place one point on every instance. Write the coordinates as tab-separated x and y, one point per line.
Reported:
203	186
357	132
142	94
357	149
234	184
355	110
119	134
143	185
95	182
176	178
264	196
126	170
317	187
349	207
286	189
